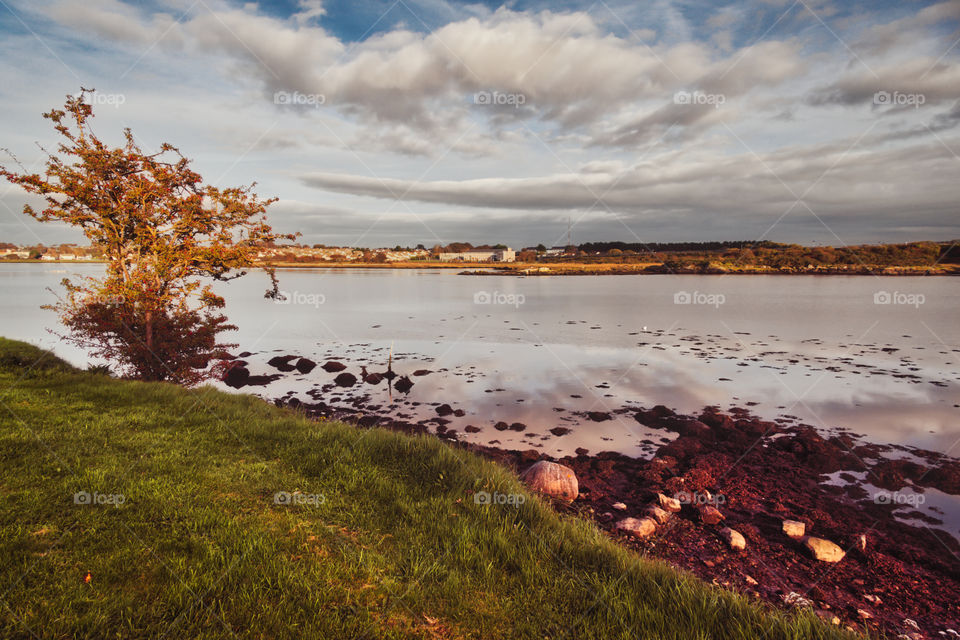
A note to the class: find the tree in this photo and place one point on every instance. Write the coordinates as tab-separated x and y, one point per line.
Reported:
527	256
541	248
161	231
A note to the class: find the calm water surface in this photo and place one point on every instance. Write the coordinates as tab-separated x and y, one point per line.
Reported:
821	349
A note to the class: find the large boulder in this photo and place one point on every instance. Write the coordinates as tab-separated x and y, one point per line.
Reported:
823	550
552	479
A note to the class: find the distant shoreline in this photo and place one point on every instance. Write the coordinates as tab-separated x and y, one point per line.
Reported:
522	269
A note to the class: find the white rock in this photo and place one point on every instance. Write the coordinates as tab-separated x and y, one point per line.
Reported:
794	599
794	528
659	514
669	504
638	527
619	506
824	550
733	538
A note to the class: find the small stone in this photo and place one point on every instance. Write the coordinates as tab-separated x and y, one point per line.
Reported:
824	550
911	624
872	599
751	581
637	527
619	506
862	542
794	528
658	514
733	538
710	515
866	615
669	504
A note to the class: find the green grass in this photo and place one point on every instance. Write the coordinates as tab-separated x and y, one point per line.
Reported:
398	549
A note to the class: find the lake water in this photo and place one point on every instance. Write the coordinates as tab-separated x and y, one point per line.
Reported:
876	356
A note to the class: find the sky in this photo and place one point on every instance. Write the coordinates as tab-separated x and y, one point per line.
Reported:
383	123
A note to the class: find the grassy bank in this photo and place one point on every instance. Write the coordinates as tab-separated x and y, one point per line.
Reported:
388	544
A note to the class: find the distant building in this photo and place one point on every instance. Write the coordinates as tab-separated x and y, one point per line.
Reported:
496	255
555	251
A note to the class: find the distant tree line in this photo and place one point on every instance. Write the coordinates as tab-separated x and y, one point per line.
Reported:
653	247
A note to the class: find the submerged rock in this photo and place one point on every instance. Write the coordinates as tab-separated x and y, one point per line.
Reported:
332	366
403	385
345	380
305	365
236	376
282	363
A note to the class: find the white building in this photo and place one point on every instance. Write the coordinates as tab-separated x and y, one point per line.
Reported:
497	255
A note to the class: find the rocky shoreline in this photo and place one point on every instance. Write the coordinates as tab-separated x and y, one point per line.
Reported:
715	500
725	484
607	269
